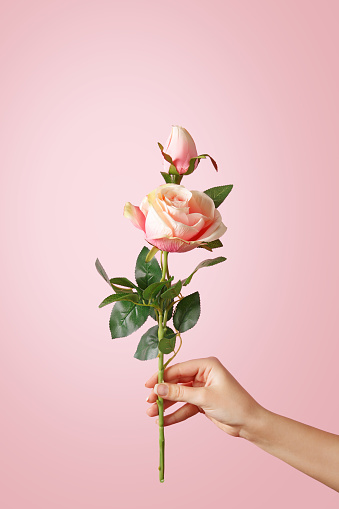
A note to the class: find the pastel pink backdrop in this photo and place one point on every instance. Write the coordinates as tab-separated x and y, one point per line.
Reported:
88	88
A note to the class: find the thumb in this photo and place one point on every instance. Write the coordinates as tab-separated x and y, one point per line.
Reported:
175	392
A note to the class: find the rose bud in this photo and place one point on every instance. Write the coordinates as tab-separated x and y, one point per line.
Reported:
175	219
181	147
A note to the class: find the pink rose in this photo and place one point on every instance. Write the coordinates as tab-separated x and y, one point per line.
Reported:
181	147
175	219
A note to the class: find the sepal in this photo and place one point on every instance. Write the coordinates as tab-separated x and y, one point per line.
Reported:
152	253
194	159
172	169
167	177
211	245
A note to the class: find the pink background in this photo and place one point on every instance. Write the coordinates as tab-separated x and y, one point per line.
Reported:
88	88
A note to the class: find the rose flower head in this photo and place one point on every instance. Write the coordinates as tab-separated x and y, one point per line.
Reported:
175	219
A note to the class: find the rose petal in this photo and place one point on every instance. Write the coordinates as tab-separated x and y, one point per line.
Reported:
177	194
188	247
202	204
144	206
178	228
211	225
219	232
193	219
166	244
135	215
155	226
179	215
186	232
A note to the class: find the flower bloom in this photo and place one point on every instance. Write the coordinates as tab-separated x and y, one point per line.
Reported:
175	219
181	147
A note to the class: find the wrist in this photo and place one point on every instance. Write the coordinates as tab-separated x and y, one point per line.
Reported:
256	425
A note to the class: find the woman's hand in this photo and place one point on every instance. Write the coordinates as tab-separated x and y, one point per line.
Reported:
205	386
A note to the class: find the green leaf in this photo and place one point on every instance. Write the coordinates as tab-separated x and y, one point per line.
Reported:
126	318
153	315
205	263
219	193
167	177
187	312
102	271
173	291
153	289
152	253
167	343
170	314
211	245
148	345
146	272
122	281
118	289
131	297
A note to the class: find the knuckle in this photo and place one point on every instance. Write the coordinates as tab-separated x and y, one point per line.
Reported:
180	392
213	359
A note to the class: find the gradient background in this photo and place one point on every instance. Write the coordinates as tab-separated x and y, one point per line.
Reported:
87	90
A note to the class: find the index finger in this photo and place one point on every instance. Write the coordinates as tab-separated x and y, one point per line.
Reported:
180	373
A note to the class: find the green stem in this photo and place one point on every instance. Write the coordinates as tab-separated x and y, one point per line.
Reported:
160	403
164	266
177	179
162	325
175	353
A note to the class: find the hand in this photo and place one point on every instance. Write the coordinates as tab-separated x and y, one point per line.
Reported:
205	386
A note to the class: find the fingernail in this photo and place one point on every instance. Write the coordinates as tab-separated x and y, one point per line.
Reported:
147	399
161	389
156	421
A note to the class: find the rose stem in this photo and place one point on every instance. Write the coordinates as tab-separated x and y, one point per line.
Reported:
160	401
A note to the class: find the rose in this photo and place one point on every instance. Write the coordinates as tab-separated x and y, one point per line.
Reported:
181	147
175	219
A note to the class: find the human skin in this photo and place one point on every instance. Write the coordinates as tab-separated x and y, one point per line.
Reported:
205	386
